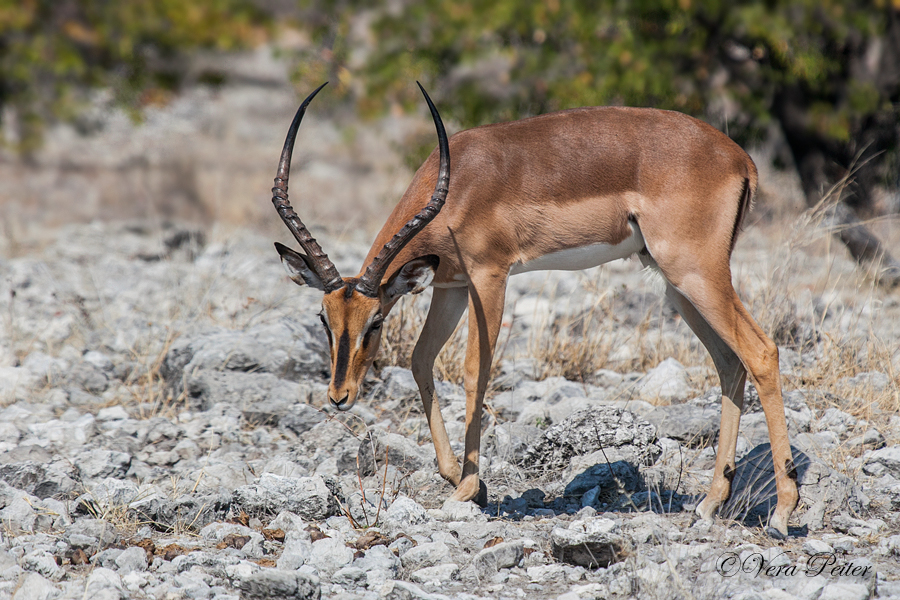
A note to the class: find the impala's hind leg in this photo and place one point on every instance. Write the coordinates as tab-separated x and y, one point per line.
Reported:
703	290
447	306
732	376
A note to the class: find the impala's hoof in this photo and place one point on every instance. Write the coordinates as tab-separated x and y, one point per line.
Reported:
470	488
482	498
706	510
777	528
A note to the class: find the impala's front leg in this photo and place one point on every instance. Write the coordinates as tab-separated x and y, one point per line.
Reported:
487	292
447	306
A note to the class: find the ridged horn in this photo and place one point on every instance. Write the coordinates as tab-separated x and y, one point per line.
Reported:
371	279
323	266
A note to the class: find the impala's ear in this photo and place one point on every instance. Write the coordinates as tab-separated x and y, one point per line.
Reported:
412	278
298	267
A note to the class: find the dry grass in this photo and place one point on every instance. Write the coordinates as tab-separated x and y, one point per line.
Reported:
402	331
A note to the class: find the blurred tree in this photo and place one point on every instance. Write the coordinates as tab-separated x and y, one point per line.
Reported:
826	71
50	50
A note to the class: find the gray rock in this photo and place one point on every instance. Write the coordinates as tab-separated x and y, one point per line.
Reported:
436	575
587	431
403	590
842	544
349	576
544	414
193	585
843	590
9	434
402	453
588	543
47	369
105	584
223	476
99	361
509	441
196	510
666	383
90	534
872	438
112	413
88	377
514	372
813	547
888	459
405	512
367	509
379	558
262	398
300	419
868	381
41	561
453	510
43	481
501	556
217	564
330	441
290	348
216	532
15	384
97	464
132	559
890	546
288	522
268	584
69	433
309	497
36	587
425	555
836	421
329	554
297	550
696	426
397	383
106	558
17	508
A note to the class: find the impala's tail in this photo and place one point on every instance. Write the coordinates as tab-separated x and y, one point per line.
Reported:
744	205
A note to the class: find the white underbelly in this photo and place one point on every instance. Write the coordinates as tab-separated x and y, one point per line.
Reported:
584	257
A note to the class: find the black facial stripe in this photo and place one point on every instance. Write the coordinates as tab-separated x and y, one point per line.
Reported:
343	360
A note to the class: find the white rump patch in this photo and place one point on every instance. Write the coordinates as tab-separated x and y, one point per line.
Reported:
584	257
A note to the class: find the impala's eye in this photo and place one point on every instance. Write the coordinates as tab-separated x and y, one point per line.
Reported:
373	328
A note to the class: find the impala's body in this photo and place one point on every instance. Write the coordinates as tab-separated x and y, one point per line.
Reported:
573	179
567	190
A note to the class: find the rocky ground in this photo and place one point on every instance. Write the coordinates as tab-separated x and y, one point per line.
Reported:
163	434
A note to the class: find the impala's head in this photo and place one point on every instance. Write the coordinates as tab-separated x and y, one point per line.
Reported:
353	308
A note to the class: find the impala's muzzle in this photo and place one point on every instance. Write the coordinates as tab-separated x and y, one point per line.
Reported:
342	404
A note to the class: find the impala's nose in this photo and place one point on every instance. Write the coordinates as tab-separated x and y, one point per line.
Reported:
341	404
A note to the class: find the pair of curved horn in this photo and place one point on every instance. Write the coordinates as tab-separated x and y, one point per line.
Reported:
370	281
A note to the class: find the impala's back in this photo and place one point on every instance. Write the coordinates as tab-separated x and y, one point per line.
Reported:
578	178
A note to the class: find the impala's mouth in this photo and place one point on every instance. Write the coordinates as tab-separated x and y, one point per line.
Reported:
344	404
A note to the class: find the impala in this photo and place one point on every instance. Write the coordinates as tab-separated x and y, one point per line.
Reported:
567	190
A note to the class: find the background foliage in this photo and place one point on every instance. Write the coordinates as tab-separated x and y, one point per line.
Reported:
824	73
50	50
